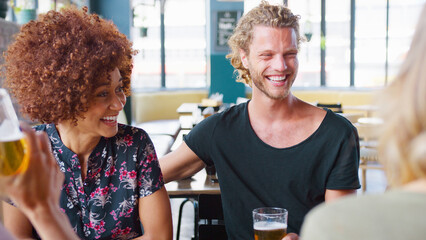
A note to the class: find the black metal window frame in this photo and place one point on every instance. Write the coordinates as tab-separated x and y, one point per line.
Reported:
352	43
323	80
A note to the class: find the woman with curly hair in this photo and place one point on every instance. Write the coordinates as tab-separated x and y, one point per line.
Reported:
70	70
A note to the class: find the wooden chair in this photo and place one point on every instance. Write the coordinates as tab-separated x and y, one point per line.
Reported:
211	225
369	159
335	107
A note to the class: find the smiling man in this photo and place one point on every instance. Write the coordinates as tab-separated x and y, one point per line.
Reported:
275	150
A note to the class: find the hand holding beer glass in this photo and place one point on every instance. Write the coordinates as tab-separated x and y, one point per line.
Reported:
36	191
13	151
270	223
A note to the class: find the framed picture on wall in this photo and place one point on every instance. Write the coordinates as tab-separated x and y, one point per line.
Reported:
225	21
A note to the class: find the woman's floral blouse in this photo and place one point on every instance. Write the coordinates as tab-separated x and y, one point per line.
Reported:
120	170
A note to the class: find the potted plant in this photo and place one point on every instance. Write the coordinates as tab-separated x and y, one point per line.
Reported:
140	19
3	8
25	10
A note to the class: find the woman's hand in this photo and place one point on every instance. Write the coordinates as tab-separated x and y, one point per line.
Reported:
36	191
40	184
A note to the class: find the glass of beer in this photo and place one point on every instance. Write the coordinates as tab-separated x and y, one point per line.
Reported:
270	223
13	150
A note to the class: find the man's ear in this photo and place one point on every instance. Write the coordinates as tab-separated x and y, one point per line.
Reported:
244	58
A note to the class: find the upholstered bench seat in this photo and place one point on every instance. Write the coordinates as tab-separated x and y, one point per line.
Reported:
169	127
162	143
162	133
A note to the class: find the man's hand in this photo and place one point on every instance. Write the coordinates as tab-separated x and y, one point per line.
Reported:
291	236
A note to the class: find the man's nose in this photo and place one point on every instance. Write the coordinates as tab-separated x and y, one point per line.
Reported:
279	64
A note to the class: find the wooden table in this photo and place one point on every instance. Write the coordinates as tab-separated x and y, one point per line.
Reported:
368	109
352	117
371	120
187	108
186	121
179	139
198	184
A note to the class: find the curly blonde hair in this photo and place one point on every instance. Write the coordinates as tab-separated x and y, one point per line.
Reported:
277	16
403	106
58	60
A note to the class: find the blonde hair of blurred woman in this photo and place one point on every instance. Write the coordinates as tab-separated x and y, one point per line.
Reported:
403	143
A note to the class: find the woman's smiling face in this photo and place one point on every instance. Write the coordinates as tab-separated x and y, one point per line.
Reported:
101	117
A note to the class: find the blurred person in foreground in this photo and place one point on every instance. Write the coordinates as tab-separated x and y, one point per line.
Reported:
275	150
70	70
36	191
399	213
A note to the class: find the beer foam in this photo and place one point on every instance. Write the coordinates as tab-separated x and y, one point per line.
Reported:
9	131
11	138
264	225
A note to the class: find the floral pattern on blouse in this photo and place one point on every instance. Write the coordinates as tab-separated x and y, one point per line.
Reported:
120	170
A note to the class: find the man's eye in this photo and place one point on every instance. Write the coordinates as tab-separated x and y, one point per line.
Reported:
265	56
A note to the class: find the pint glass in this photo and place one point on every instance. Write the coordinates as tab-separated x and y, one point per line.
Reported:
13	151
269	223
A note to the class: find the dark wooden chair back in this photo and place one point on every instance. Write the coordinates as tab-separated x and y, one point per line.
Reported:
335	107
210	214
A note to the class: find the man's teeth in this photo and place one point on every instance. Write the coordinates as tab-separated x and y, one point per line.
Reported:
110	118
277	78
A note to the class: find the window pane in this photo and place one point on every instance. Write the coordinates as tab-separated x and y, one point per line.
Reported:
185	43
370	43
146	39
310	52
337	60
403	18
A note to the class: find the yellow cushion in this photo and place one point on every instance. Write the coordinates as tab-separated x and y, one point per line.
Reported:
162	105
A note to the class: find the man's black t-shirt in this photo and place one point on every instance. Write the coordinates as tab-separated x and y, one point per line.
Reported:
253	174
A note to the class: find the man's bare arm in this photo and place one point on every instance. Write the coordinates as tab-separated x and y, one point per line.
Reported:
181	163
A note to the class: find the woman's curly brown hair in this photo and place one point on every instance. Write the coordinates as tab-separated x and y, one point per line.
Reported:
58	60
266	15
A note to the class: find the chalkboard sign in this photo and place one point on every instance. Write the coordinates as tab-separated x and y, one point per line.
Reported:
226	22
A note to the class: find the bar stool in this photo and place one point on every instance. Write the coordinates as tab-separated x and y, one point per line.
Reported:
195	204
